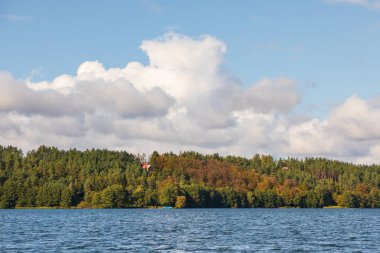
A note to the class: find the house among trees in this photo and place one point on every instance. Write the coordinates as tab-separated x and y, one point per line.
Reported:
146	166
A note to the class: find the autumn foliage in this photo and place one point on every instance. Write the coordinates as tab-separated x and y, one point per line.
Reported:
49	177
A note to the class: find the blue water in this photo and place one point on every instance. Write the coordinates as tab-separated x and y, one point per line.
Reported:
190	230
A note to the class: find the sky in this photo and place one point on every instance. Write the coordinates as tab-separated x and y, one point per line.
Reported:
287	78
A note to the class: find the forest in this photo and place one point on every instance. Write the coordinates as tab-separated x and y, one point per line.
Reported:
52	178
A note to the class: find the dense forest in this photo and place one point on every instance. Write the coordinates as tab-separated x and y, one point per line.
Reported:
49	177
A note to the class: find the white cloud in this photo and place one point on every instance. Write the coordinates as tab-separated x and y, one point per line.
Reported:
372	156
371	4
15	18
181	100
17	97
356	119
151	6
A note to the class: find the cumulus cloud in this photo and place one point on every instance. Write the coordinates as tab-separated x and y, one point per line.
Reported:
356	119
84	94
182	99
17	97
270	95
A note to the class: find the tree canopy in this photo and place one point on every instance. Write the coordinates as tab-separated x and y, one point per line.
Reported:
49	177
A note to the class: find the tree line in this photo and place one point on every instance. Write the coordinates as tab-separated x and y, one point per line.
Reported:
49	177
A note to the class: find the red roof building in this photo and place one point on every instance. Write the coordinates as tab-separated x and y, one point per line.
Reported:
146	166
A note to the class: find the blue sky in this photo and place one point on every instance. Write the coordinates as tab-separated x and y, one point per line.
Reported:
330	48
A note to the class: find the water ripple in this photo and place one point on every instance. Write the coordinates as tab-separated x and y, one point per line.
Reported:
190	230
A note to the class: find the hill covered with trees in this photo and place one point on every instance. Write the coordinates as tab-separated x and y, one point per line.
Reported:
49	177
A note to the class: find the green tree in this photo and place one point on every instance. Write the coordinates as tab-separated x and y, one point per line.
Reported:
168	195
66	197
114	196
350	199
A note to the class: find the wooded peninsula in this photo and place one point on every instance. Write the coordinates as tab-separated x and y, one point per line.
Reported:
49	177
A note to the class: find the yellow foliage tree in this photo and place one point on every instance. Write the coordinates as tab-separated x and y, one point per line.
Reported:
180	202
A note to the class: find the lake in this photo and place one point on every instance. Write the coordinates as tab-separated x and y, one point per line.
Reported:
190	230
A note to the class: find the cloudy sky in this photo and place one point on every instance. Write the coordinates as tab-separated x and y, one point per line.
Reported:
289	78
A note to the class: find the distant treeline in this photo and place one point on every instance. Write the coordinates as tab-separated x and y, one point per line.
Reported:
49	177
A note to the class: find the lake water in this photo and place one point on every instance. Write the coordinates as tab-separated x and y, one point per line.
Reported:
190	230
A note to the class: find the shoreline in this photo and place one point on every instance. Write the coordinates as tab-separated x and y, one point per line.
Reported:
163	207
